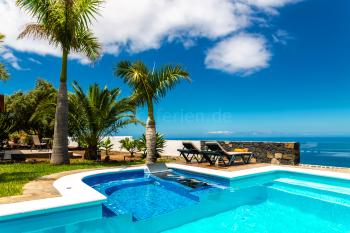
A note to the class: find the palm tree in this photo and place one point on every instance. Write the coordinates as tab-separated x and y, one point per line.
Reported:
97	114
65	24
149	87
3	72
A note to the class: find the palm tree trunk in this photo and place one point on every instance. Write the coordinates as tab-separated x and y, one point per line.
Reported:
151	136
91	153
60	141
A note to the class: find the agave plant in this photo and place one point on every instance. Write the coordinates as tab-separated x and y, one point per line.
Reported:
97	114
65	24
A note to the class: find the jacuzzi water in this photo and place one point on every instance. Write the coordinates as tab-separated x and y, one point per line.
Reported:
269	202
146	195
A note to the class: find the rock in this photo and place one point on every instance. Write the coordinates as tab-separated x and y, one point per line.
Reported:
278	155
287	156
275	161
289	145
270	155
253	160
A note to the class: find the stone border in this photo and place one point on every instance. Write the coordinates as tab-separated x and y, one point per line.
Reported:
40	188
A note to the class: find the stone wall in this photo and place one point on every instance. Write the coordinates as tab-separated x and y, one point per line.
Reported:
287	153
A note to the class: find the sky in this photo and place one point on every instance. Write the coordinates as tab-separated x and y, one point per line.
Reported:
264	68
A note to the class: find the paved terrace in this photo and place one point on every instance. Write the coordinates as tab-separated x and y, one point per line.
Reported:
43	187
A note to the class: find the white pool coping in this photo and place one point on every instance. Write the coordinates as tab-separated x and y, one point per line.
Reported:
75	192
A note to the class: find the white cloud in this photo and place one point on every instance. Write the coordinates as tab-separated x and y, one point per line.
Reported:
137	26
226	132
270	4
7	55
243	53
281	37
34	61
142	25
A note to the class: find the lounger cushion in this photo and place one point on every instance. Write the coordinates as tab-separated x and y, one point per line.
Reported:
241	150
238	153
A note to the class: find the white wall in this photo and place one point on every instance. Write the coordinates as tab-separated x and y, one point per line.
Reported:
170	148
114	140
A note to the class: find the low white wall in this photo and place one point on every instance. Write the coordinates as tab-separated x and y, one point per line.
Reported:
170	148
115	140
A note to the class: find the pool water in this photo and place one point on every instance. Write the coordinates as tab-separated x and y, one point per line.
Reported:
146	200
145	195
269	217
269	202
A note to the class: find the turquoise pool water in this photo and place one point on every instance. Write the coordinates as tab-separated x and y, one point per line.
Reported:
269	217
271	202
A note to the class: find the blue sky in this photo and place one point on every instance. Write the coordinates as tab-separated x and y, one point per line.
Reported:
262	68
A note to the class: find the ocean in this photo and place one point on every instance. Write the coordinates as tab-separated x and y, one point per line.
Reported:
326	151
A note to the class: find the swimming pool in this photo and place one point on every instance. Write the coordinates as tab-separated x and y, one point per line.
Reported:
194	200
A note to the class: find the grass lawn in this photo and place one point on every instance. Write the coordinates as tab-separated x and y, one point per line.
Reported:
14	176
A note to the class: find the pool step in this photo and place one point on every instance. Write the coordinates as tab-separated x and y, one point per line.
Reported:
328	193
314	185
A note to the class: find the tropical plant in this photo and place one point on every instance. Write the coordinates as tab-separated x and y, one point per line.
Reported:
160	144
97	114
34	112
6	126
65	24
107	145
149	86
44	97
4	75
130	145
15	137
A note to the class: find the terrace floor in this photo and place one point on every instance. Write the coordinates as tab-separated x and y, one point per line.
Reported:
43	187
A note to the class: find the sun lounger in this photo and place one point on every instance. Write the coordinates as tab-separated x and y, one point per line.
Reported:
37	143
190	152
156	167
228	158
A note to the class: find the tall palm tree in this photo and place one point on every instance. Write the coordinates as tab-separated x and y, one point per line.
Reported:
4	75
149	87
65	24
97	114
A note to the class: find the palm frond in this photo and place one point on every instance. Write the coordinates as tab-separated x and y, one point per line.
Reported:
85	10
87	44
36	30
2	37
4	75
64	23
36	8
136	75
166	78
98	112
